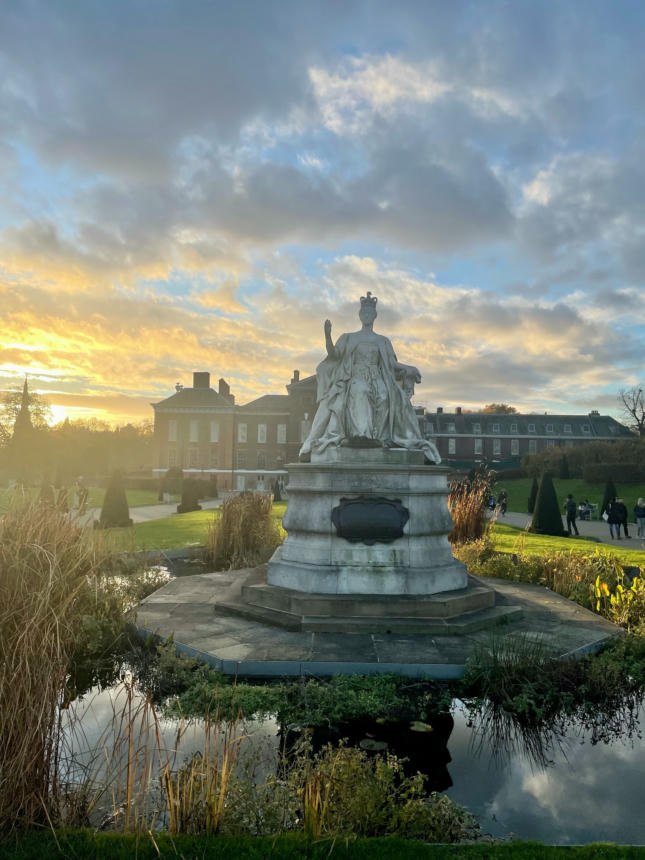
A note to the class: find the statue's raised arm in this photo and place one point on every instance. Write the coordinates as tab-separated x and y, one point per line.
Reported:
329	344
364	394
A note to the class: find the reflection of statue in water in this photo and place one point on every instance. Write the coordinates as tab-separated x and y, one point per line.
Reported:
364	394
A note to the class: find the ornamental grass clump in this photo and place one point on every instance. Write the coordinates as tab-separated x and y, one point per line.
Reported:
45	562
244	532
468	505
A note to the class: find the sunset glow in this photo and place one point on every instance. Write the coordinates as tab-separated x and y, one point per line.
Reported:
210	188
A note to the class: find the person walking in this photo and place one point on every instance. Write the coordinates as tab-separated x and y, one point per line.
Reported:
613	519
571	509
622	516
502	501
639	517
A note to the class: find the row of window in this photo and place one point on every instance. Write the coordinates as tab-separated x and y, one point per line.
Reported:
242	461
497	446
450	427
193	432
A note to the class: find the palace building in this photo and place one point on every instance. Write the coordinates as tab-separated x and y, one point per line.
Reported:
204	432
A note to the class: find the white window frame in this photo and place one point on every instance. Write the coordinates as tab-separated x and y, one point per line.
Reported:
193	457
532	446
241	433
172	430
214	431
567	428
549	428
531	428
586	429
550	443
477	428
193	430
452	446
513	428
479	446
450	427
281	434
262	434
497	447
495	428
515	447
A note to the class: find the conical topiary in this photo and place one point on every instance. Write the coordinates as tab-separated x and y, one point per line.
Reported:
532	496
547	519
564	468
47	495
190	495
610	494
115	512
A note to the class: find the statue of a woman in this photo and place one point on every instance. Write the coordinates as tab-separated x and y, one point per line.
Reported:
364	394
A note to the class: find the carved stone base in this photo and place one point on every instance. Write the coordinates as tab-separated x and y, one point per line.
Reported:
368	522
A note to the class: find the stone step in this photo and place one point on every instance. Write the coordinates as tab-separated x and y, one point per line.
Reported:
445	605
467	623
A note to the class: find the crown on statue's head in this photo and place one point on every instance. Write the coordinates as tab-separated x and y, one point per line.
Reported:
368	301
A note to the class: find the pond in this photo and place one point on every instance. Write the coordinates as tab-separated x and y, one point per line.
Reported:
566	788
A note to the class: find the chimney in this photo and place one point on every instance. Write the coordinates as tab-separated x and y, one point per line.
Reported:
224	389
201	380
439	410
296	376
458	410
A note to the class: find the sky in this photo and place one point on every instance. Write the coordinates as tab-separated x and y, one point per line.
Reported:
197	186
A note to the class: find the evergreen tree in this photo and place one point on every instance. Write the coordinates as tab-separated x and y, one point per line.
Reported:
190	495
532	496
610	494
115	512
547	519
564	468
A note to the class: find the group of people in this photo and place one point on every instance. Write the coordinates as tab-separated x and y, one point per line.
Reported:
615	515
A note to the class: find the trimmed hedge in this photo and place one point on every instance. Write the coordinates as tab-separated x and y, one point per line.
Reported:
624	473
110	846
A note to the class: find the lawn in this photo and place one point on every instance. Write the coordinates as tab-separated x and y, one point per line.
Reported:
511	539
518	490
174	532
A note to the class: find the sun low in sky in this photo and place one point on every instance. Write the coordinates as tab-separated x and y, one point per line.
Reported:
197	186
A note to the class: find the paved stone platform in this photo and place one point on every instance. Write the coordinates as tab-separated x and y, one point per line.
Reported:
186	609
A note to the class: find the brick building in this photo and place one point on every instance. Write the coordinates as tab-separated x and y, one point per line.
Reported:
204	432
467	438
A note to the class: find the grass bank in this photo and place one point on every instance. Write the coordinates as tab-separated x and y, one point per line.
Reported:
506	538
103	846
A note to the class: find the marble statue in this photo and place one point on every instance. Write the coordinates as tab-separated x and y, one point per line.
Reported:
364	394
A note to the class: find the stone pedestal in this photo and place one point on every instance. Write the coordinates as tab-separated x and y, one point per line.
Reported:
341	518
367	551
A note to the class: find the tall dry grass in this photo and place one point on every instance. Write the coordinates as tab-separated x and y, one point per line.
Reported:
45	562
468	505
244	532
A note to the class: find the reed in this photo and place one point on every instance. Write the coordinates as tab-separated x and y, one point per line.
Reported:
243	533
45	562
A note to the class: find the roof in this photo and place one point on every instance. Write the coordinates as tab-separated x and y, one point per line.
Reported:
267	403
193	397
587	426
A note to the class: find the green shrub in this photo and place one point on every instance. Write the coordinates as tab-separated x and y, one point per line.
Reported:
547	519
190	495
115	512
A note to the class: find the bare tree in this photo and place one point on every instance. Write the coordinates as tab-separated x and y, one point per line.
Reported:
632	401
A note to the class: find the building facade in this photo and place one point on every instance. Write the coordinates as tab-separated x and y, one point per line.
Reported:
465	439
205	433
